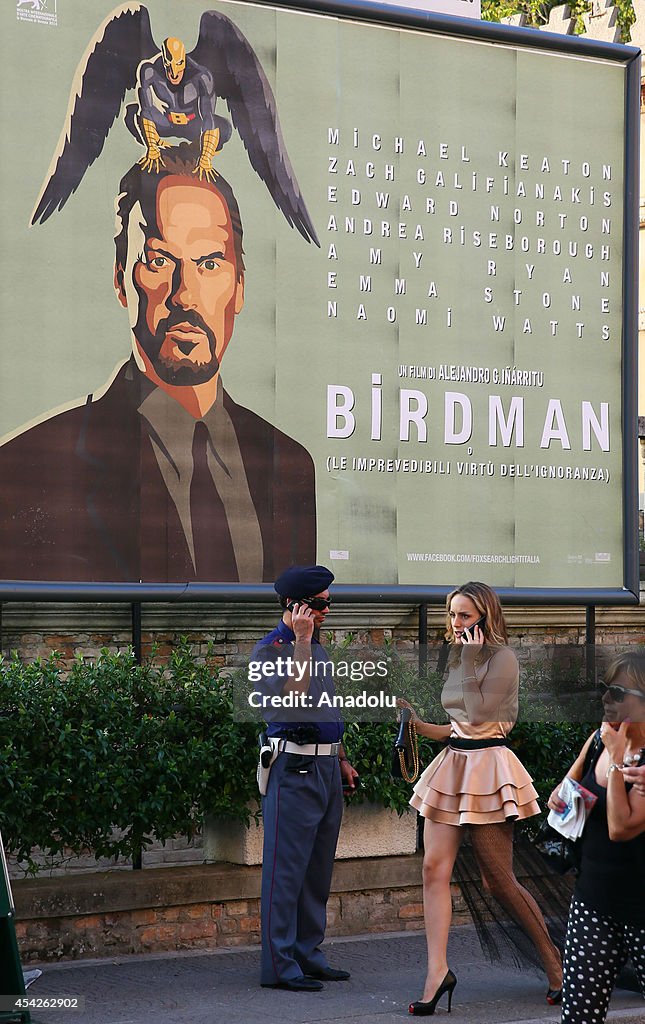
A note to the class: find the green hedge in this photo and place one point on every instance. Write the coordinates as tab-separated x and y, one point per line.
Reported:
143	749
147	750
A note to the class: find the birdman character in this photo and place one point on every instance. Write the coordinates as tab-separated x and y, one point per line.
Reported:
177	94
176	97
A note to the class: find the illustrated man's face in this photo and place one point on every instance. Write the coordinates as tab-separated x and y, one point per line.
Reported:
180	282
173	54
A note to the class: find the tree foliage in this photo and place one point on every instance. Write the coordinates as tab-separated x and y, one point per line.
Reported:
537	12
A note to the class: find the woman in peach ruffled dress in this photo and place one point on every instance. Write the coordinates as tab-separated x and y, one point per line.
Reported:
476	781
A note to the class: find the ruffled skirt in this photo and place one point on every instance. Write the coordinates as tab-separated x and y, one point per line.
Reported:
475	787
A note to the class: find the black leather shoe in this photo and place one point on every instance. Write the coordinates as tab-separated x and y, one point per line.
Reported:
329	974
300	984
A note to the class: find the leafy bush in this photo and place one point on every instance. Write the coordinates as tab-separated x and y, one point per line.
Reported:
143	750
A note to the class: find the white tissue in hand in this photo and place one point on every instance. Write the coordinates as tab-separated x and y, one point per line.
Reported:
578	802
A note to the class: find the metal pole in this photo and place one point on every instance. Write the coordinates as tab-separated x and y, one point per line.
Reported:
590	625
590	644
423	638
136	631
137	860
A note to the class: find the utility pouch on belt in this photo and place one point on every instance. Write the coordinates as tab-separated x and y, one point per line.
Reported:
268	754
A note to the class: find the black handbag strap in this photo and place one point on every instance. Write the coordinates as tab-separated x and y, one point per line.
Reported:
406	748
406	718
596	748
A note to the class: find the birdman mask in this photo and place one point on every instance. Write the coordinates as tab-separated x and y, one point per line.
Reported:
173	53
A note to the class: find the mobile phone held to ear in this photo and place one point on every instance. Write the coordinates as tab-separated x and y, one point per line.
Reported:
481	622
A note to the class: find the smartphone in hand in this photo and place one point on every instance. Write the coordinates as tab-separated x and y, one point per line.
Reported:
348	790
481	622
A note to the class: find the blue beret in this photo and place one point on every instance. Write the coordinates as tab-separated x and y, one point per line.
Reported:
303	581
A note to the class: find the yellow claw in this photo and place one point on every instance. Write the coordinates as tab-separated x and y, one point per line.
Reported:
152	160
205	173
151	163
210	142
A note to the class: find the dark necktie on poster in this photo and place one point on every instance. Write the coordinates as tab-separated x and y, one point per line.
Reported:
214	556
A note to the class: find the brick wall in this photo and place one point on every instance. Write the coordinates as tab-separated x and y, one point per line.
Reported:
201	908
228	631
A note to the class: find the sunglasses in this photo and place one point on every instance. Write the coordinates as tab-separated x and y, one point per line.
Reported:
317	604
618	693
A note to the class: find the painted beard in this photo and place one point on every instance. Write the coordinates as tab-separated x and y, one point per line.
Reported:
161	351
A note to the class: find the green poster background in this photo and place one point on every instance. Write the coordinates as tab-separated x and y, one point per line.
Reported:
430	512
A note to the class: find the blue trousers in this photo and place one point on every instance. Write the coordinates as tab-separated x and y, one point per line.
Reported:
302	812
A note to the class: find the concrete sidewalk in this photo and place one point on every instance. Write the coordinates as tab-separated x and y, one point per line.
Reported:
222	987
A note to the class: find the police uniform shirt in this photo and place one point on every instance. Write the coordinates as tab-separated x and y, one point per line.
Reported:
318	712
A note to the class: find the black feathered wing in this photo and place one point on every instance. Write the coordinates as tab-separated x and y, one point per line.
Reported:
106	72
240	80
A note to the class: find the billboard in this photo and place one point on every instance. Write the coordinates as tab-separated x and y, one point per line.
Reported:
370	302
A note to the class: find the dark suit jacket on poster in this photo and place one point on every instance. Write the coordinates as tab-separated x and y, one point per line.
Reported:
83	498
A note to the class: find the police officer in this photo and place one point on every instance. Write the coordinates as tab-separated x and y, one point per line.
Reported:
303	805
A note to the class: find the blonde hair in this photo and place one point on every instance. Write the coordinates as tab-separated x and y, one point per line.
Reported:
487	603
633	664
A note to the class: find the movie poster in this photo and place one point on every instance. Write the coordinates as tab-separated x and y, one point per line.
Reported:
282	287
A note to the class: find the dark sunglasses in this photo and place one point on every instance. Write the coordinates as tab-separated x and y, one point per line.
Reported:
618	693
317	604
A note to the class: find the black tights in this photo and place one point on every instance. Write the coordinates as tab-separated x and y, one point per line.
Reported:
493	848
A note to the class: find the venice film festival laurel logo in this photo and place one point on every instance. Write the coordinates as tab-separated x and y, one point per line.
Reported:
40	11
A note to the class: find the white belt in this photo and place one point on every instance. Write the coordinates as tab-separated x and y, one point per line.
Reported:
319	749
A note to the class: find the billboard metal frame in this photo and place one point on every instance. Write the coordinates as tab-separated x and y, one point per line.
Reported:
629	57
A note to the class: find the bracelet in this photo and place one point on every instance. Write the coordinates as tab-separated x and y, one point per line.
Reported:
613	768
341	759
467	679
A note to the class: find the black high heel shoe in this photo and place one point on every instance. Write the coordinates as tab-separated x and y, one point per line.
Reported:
421	1009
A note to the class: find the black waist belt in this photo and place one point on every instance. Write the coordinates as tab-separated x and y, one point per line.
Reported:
459	744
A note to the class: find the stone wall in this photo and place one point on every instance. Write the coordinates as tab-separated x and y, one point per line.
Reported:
177	852
367	830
